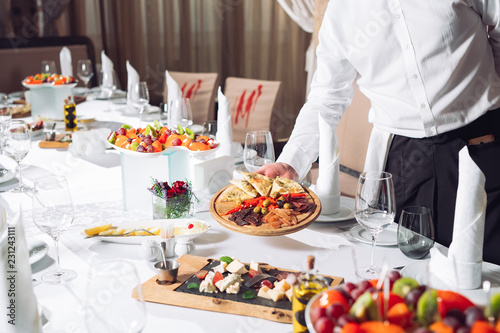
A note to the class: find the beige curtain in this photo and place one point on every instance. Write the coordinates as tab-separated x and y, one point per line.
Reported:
244	38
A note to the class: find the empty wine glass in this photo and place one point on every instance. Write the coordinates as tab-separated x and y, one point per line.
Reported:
139	97
5	114
210	128
115	302
258	151
17	144
374	208
85	71
416	232
53	213
108	87
48	67
180	113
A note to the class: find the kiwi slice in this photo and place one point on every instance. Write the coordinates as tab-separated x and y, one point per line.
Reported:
180	129
189	133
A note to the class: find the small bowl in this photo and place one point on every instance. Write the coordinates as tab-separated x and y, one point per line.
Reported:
168	274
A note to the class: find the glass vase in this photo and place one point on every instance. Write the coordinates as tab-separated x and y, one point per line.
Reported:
176	207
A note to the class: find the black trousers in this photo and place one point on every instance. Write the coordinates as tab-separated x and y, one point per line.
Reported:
425	173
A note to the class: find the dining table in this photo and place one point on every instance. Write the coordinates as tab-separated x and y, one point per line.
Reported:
95	182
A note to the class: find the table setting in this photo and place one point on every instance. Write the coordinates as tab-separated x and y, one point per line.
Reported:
115	230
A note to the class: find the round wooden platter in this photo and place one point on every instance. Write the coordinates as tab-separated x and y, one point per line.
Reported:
218	208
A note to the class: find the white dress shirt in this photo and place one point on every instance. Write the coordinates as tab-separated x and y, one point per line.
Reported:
427	66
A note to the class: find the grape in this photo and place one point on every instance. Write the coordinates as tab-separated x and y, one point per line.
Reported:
459	315
463	330
147	141
140	148
412	298
422	288
150	149
345	319
349	286
168	132
345	294
422	330
473	314
317	313
148	136
452	322
130	139
201	141
364	285
356	293
122	131
324	325
335	310
176	142
154	138
393	276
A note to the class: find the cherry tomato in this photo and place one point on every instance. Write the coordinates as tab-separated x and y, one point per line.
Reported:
266	283
201	274
252	273
217	277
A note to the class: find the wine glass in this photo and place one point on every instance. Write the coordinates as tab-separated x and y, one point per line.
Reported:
415	232
85	71
139	97
53	213
5	116
17	144
48	67
210	128
115	302
374	209
180	113
258	151
108	87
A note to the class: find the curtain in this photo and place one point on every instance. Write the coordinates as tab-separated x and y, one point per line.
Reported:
243	38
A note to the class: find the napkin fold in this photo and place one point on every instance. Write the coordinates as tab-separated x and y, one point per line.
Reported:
462	266
66	63
87	143
224	133
107	70
20	299
319	239
132	78
327	185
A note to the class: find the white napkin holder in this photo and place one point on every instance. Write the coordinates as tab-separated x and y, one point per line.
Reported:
48	101
137	172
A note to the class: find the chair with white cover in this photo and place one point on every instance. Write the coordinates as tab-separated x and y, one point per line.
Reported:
252	103
200	88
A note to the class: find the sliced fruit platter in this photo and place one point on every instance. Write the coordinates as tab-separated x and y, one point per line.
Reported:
48	80
154	140
405	306
223	285
263	206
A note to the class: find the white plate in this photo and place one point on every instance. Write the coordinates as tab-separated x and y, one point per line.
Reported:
388	237
8	175
37	249
346	212
137	240
165	151
490	272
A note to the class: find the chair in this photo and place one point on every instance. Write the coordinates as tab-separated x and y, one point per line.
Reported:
252	103
201	89
20	59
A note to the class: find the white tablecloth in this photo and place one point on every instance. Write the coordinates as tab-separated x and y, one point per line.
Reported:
95	183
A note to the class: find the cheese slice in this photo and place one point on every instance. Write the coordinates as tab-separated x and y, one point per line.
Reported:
264	292
236	267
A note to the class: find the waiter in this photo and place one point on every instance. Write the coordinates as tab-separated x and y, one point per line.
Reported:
430	69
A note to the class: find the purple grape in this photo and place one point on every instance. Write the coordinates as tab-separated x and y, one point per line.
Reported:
364	285
122	131
473	314
130	139
393	276
201	141
154	138
459	315
148	136
150	149
147	141
463	329
452	322
412	298
349	286
422	330
345	319
140	148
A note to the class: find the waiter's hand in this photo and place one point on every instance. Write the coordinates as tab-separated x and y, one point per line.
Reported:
278	169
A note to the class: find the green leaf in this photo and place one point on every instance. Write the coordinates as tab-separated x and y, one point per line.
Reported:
248	295
193	285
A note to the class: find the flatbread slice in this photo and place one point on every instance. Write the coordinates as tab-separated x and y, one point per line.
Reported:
284	185
233	193
245	186
260	182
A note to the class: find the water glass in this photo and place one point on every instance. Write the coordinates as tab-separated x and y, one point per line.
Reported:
210	128
85	71
16	145
48	67
139	97
416	232
180	113
5	116
259	150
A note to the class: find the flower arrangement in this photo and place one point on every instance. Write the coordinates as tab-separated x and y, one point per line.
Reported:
171	202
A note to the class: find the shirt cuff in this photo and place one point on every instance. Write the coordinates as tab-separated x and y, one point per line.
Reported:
297	159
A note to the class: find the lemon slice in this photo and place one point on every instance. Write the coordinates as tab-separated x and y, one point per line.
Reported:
96	230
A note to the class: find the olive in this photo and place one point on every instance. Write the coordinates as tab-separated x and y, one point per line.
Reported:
256	209
282	198
287	206
264	210
238	202
274	194
266	203
280	203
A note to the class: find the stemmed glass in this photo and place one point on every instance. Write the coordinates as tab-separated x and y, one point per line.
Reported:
85	71
139	97
415	232
180	113
374	209
259	150
5	116
48	67
210	128
108	87
53	213
17	144
122	309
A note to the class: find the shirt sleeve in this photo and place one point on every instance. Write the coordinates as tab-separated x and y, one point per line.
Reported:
331	93
490	15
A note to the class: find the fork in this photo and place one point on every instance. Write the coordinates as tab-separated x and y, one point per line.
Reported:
258	278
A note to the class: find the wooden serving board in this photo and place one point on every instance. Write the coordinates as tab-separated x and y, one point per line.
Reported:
167	294
218	209
54	144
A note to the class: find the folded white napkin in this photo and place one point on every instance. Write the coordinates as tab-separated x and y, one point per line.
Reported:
86	143
174	92
327	185
224	130
132	78
107	68
20	299
463	265
319	239
66	63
